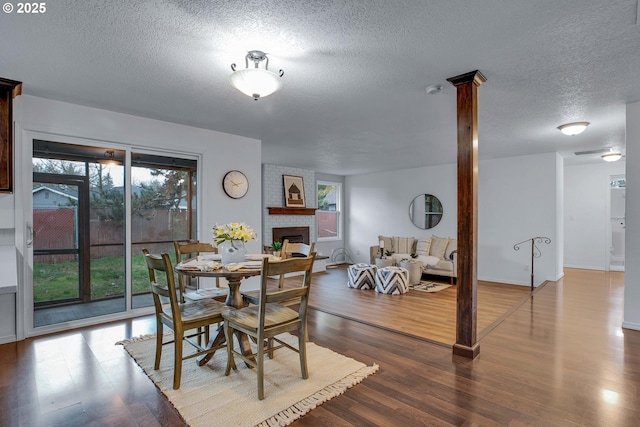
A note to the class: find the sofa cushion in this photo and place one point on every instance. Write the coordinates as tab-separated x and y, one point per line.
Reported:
428	260
438	246
443	265
423	246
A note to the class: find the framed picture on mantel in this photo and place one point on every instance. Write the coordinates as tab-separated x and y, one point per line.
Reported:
293	191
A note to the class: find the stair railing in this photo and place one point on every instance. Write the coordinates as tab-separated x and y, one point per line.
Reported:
535	251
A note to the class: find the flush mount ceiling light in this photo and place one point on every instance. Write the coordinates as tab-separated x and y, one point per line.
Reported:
434	89
256	82
573	128
612	156
109	158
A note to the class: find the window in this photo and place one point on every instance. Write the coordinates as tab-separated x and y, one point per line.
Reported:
329	196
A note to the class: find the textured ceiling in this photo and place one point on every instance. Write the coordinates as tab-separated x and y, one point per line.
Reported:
354	96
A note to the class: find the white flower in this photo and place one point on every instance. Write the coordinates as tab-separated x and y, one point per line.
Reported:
232	231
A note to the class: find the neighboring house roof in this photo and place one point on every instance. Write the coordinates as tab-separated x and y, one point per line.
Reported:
61	193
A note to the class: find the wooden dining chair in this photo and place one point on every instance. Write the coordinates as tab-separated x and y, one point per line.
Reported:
187	320
191	249
269	319
290	250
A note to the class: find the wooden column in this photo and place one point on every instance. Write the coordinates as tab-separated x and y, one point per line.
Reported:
467	282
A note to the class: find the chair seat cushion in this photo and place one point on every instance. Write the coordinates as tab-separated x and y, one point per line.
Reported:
276	314
197	310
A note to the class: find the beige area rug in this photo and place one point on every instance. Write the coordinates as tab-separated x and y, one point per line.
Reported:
430	287
207	398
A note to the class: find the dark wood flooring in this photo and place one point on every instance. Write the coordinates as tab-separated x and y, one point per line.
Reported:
560	359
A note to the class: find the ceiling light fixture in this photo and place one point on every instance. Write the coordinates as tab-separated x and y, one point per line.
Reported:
612	156
109	158
256	82
434	89
573	128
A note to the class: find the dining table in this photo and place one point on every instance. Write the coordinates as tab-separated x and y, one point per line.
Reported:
197	267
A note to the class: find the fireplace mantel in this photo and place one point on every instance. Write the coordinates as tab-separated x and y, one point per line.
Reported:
281	210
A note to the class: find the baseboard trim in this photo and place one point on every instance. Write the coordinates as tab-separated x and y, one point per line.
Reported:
631	325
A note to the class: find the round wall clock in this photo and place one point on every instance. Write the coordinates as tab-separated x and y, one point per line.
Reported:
235	184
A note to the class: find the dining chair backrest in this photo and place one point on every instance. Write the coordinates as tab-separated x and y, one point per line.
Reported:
297	293
289	249
162	264
191	249
272	318
187	320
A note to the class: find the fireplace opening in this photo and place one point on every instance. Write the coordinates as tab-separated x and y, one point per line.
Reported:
293	234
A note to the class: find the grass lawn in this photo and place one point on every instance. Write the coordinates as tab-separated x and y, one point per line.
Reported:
58	281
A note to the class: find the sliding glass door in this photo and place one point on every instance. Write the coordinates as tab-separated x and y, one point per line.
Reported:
80	223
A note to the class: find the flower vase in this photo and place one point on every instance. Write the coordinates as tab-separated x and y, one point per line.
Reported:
232	251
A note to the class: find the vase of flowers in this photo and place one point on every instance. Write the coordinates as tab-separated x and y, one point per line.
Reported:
230	239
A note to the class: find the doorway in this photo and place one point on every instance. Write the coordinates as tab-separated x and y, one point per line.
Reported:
618	224
78	239
93	210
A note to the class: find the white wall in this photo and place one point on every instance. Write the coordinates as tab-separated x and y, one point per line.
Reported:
378	204
586	219
632	248
218	151
516	202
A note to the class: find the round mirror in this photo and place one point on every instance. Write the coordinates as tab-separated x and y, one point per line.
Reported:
425	211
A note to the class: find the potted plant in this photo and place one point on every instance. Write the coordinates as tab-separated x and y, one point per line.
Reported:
414	267
385	261
273	249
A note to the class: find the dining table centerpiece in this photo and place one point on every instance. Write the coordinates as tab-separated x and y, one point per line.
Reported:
230	239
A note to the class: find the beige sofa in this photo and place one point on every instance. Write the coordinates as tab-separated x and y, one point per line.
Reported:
437	254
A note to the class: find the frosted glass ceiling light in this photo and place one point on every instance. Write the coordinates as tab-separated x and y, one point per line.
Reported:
573	128
612	156
256	82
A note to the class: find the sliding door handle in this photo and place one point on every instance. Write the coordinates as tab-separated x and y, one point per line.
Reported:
30	235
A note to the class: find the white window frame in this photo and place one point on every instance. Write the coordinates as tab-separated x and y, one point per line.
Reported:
338	236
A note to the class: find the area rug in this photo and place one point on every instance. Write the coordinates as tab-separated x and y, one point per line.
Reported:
430	287
207	398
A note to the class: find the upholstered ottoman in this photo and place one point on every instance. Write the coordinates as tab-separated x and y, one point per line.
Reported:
392	280
361	276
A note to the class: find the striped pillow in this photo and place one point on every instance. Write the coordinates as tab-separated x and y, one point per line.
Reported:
403	245
423	246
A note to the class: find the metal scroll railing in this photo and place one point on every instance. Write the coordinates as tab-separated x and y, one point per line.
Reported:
535	251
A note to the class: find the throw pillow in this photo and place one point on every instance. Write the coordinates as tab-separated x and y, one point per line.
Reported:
438	246
403	245
422	248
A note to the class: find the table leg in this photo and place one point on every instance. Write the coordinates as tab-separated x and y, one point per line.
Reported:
234	299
